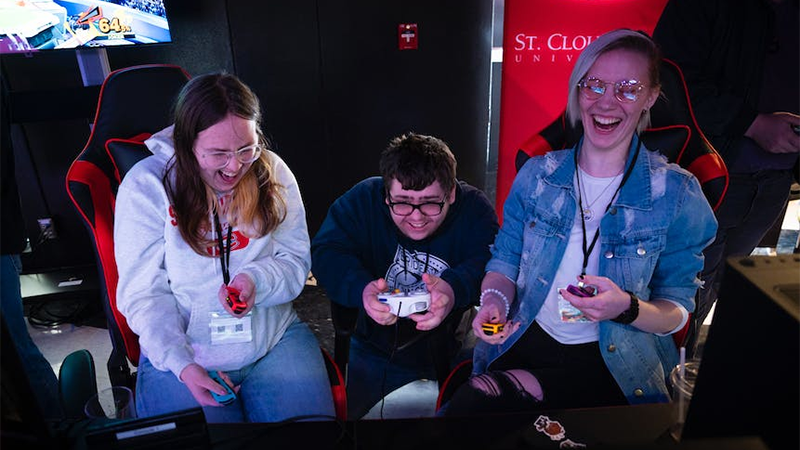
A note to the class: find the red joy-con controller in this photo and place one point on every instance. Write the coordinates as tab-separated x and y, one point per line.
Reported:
233	300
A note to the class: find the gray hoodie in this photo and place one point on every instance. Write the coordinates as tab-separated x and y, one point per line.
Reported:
167	292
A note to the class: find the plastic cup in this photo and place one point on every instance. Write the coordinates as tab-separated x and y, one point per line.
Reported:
682	387
115	402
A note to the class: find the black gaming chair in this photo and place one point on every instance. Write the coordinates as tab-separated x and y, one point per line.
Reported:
134	103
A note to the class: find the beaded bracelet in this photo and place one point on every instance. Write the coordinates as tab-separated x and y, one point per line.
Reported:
499	294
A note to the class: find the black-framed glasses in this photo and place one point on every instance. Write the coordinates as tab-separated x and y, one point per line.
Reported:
406	209
626	91
244	155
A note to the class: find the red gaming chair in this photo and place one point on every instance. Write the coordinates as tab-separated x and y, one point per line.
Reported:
134	103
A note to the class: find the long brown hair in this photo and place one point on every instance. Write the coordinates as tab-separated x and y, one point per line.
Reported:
257	206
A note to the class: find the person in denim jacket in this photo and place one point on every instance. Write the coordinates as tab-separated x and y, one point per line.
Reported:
616	221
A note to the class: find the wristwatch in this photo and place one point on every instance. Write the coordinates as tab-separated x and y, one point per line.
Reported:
630	314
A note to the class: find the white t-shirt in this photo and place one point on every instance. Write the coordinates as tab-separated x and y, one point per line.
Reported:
596	194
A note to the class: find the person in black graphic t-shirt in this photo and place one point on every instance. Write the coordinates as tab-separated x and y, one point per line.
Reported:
414	227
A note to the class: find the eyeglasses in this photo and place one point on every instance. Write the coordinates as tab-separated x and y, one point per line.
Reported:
244	155
406	209
626	91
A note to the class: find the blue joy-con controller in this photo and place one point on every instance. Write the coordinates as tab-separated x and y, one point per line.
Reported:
226	399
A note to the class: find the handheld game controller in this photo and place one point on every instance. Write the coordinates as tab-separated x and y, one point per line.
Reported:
226	399
491	328
404	304
233	300
582	290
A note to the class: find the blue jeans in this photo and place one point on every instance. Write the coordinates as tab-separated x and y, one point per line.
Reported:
40	374
751	206
289	381
367	368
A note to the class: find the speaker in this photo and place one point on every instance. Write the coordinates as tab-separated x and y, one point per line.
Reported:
748	383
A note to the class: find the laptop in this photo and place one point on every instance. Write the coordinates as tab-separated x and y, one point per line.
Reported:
748	383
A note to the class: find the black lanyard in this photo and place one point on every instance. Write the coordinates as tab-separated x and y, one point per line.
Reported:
588	251
224	251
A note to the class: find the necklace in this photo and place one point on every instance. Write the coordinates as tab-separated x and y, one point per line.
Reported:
588	213
587	248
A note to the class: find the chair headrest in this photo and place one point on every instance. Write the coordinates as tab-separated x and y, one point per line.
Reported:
124	153
137	100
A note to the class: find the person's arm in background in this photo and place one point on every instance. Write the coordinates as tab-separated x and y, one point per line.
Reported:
775	132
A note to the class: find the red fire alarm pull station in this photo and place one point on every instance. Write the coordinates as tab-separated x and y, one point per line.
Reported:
407	36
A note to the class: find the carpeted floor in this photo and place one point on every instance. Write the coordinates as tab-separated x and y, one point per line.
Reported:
313	307
83	308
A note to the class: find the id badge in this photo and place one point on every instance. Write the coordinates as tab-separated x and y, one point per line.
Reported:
226	329
569	313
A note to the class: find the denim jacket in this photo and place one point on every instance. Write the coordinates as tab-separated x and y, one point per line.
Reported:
651	243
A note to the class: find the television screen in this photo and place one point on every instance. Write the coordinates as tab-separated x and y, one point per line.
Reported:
34	25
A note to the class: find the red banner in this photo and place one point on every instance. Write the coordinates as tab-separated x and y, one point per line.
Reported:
541	41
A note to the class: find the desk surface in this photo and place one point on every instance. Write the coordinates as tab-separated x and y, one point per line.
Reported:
640	427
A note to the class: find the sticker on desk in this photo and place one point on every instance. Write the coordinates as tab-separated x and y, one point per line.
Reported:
551	428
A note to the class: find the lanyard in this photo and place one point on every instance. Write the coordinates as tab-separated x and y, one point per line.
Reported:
224	250
588	251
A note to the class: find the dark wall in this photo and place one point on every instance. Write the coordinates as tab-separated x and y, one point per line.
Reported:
334	86
200	39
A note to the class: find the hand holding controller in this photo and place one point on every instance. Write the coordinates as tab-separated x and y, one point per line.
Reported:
233	300
404	304
582	290
490	329
226	399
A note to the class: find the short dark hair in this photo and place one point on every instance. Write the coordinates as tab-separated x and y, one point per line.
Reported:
416	161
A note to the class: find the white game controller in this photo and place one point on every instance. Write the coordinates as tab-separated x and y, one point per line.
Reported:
404	304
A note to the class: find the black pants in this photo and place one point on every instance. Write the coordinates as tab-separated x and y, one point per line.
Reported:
571	376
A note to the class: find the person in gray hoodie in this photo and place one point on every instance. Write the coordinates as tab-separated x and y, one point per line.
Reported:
212	246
